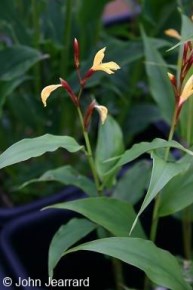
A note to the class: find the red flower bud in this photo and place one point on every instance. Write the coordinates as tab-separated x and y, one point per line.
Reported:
76	54
88	114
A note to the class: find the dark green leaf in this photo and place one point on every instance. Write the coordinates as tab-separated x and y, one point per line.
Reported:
162	173
65	237
143	147
34	147
160	85
132	185
178	193
66	175
114	215
16	60
160	266
109	144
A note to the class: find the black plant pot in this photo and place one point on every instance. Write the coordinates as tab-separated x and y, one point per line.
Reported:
24	244
8	214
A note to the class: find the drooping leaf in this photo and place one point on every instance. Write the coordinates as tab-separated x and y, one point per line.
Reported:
109	144
160	85
11	17
132	185
178	193
143	147
7	87
140	117
66	175
16	60
34	147
162	173
65	237
159	265
114	215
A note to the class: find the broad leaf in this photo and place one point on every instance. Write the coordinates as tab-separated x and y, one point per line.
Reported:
33	147
178	193
66	175
65	237
6	88
132	185
143	147
110	144
162	173
16	60
114	215
159	265
160	85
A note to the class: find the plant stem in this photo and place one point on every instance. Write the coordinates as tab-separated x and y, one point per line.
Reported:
118	273
155	217
89	153
36	25
186	222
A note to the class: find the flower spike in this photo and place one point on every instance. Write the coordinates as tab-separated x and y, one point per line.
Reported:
47	91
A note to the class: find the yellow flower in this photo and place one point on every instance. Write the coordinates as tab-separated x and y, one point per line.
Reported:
103	111
107	67
173	33
187	90
47	91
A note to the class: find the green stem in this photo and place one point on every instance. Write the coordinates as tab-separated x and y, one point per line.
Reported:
186	222
118	273
117	267
155	217
89	153
187	232
36	25
67	32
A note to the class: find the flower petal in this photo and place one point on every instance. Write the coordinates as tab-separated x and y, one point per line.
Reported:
173	33
98	57
108	67
103	111
187	90
47	91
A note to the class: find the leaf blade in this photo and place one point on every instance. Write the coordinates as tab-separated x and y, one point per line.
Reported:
159	265
34	147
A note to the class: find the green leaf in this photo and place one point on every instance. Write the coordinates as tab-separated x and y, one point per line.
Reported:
7	87
16	60
65	237
109	144
162	173
66	175
140	117
143	147
160	85
178	193
86	14
159	265
114	215
132	185
34	147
